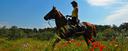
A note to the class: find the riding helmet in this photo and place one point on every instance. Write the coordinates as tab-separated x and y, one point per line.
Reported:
74	3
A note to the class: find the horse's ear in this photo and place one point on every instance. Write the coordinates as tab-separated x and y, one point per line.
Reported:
54	7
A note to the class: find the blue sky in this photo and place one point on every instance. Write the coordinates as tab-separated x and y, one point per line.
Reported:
29	13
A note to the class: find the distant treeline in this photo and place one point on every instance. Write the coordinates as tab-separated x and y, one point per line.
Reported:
123	26
47	33
14	33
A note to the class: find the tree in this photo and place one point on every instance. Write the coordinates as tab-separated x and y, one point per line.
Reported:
3	31
124	26
115	28
35	30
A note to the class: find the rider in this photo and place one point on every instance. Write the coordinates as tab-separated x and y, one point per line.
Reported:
74	13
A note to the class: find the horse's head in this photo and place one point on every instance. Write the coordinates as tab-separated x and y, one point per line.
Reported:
52	14
57	15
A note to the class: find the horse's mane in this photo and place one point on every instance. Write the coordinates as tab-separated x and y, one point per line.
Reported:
60	18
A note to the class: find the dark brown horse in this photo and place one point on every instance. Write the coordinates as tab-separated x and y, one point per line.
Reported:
62	27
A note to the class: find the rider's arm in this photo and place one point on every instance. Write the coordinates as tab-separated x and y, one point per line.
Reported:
68	16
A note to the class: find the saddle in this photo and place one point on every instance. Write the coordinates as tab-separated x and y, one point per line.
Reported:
75	28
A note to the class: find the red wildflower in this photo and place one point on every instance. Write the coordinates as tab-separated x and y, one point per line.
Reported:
101	47
92	49
78	44
97	45
66	43
82	40
89	41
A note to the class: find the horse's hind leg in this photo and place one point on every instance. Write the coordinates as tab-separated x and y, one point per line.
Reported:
86	39
55	42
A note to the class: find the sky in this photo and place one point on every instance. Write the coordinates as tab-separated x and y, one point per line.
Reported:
30	13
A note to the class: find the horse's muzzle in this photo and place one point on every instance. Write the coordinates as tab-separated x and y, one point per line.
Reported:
45	18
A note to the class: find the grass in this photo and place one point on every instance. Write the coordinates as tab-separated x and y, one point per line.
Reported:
37	45
30	44
22	45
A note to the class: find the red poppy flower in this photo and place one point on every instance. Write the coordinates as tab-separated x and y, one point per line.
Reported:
78	44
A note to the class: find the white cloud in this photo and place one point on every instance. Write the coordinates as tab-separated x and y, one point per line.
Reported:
4	24
118	16
119	13
1	25
100	2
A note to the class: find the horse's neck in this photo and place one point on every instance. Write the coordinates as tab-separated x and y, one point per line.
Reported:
60	22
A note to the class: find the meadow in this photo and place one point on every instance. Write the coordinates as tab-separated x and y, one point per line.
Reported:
109	39
30	44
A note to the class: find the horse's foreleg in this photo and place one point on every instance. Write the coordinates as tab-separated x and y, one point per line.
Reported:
55	42
92	40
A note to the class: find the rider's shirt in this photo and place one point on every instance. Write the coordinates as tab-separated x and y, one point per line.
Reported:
75	12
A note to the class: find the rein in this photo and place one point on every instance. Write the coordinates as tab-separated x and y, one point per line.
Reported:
53	29
49	24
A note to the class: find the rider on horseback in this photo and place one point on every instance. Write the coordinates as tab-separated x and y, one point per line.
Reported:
74	13
74	21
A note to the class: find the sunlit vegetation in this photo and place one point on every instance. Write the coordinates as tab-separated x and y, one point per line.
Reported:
109	38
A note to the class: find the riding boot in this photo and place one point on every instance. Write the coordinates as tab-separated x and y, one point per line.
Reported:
77	27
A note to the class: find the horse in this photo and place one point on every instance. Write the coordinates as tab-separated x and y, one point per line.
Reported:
62	27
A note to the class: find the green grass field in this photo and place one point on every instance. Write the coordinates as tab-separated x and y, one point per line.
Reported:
30	44
109	38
